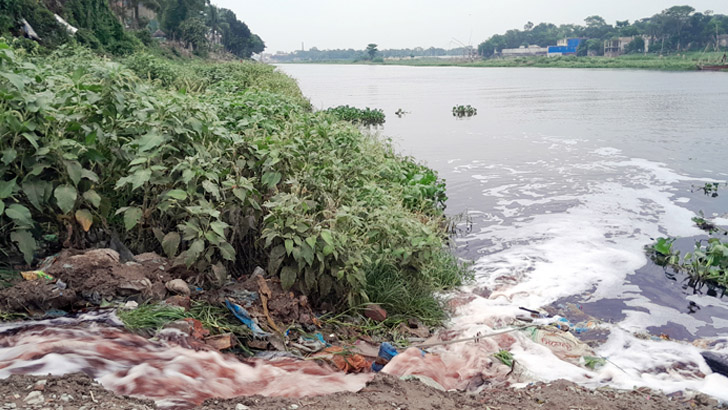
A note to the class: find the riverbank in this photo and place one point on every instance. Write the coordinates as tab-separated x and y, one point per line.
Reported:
682	62
384	392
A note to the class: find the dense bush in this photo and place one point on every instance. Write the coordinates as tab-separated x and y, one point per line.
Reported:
221	166
365	116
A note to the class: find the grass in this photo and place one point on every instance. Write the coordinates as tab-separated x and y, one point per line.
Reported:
217	319
680	62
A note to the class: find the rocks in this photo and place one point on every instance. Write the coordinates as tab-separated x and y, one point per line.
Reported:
178	286
241	406
181	301
33	398
375	312
220	342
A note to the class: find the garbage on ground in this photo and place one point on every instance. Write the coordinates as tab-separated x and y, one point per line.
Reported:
386	353
178	286
311	344
242	315
220	342
344	360
563	344
424	380
375	312
35	275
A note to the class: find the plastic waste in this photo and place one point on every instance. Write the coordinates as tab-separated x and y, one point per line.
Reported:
242	315
563	344
386	353
344	360
35	275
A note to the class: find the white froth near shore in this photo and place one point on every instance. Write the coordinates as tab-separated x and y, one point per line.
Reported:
612	207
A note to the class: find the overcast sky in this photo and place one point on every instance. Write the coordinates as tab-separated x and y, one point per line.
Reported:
328	24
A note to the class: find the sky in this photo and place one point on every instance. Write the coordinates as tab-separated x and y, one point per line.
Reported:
286	25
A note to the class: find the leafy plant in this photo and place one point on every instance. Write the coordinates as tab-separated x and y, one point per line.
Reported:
222	167
365	116
505	357
461	111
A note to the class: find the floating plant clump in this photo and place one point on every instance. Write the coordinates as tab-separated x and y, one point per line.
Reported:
461	111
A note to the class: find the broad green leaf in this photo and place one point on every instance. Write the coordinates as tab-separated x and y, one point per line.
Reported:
74	171
138	161
65	197
219	227
211	187
20	215
289	246
9	156
177	194
37	169
271	179
26	243
90	175
240	194
324	282
35	191
326	236
7	188
33	140
227	251
311	241
150	141
2	207
92	197
194	251
307	253
288	277
170	244
14	79
140	178
309	277
131	217
84	217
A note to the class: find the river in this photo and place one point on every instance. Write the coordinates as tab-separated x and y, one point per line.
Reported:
564	176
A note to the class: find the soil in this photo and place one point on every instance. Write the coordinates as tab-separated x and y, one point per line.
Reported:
77	391
89	279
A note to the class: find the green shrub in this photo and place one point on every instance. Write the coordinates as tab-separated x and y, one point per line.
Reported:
365	116
221	166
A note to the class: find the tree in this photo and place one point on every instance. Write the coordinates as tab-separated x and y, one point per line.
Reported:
528	26
193	32
372	50
150	4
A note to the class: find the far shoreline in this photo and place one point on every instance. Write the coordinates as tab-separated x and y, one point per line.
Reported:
682	62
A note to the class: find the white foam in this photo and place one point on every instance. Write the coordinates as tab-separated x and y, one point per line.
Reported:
587	247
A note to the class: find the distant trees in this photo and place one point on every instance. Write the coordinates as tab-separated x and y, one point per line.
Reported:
371	50
675	29
201	25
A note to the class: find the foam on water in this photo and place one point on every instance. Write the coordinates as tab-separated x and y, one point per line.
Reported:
609	208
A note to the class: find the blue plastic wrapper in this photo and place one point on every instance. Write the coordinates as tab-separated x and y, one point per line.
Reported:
386	353
248	321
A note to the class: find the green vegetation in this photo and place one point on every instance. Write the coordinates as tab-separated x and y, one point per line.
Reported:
677	29
505	357
371	51
461	111
708	262
216	319
222	167
366	116
196	24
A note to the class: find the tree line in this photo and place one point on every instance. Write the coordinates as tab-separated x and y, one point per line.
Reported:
118	26
676	29
314	54
197	23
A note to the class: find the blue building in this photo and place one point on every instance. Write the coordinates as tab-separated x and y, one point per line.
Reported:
565	47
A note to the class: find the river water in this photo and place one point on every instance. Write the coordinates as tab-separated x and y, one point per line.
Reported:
564	177
561	180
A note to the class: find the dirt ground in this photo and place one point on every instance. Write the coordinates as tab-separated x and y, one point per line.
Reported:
78	392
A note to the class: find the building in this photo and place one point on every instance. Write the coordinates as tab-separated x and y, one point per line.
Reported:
615	47
722	40
531	50
565	47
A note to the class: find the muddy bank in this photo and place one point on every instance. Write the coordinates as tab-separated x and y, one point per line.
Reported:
77	391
